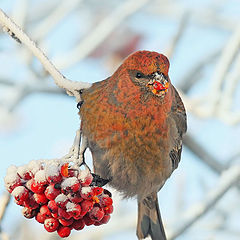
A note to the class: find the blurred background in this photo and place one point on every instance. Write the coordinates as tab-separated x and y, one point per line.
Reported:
87	40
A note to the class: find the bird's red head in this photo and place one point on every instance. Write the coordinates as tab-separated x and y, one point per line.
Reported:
149	70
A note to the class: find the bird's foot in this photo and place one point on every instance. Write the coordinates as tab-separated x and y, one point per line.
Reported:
98	181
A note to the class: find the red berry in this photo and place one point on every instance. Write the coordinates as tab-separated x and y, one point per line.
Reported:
20	203
65	222
51	191
20	193
40	218
44	210
29	183
75	197
96	214
61	200
97	223
108	210
29	212
31	203
70	184
63	214
87	193
40	177
24	173
34	166
53	174
55	215
87	220
105	219
78	225
52	206
64	170
80	216
51	224
97	190
64	231
158	86
12	180
40	198
73	209
105	200
85	177
86	205
72	172
37	187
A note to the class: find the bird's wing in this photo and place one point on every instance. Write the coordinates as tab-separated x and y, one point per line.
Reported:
178	126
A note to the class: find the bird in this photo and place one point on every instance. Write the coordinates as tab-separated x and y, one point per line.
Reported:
133	123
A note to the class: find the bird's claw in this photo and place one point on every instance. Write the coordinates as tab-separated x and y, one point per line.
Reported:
98	181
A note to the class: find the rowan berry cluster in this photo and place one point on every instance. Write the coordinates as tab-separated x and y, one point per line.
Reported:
59	196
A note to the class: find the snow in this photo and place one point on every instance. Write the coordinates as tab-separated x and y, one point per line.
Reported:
18	190
70	207
11	169
34	165
61	198
11	178
52	168
22	170
86	190
68	182
83	174
40	176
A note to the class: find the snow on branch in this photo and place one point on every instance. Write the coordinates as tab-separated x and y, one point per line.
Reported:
4	201
71	87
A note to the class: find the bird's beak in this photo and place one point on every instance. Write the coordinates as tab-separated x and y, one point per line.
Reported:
158	83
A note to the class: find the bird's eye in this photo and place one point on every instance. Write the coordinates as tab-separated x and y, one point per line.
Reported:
139	75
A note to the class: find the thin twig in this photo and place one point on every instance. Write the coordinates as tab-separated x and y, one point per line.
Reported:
179	33
71	87
192	76
227	180
191	143
4	200
223	65
99	34
62	10
232	79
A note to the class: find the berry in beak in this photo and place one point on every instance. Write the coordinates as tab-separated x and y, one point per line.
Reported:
158	84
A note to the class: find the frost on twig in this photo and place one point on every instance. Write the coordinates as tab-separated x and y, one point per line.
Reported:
11	34
4	201
71	87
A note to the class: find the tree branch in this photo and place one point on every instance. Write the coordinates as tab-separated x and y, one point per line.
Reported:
4	200
72	88
100	33
227	180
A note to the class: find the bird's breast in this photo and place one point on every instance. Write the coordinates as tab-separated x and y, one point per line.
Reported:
129	140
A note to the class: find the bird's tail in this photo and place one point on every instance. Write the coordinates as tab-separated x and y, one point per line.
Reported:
149	219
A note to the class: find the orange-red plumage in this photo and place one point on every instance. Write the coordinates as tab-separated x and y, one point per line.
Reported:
135	135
